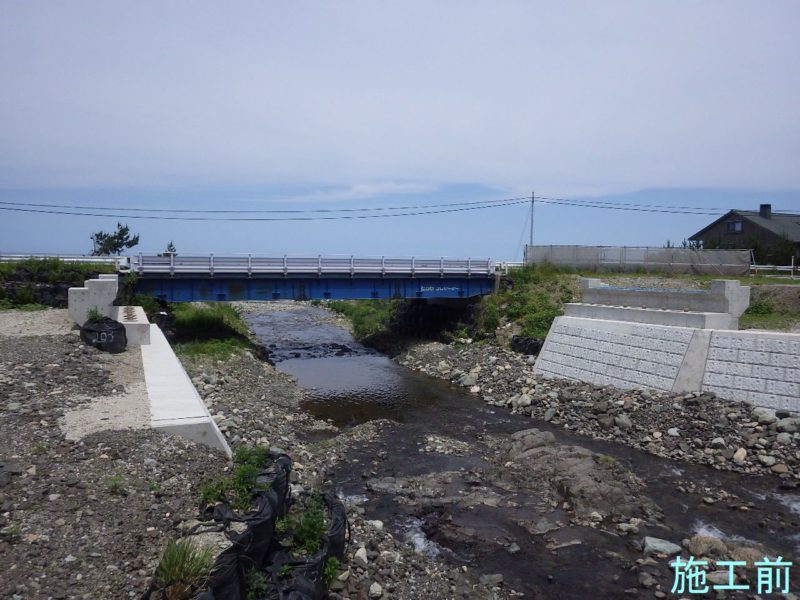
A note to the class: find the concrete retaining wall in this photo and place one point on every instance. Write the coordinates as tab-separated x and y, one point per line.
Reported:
757	367
621	354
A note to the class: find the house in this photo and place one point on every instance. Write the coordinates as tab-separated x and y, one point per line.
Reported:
773	237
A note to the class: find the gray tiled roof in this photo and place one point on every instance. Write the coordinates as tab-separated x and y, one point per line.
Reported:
779	223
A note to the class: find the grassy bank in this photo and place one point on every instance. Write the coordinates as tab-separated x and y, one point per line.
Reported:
531	298
761	314
210	329
51	270
369	317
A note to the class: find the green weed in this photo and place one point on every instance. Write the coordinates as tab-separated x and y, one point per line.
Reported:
117	484
367	316
331	568
257	584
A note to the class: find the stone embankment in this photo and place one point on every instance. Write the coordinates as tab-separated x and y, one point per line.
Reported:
696	427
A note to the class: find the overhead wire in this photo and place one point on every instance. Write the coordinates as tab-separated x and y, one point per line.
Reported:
259	211
292	218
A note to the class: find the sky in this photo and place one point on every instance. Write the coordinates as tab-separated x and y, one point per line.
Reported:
319	105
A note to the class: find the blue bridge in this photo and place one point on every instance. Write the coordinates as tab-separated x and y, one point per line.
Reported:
219	278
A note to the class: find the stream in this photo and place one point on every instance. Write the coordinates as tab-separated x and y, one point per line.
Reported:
348	384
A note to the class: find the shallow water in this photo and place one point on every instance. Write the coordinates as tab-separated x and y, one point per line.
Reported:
349	384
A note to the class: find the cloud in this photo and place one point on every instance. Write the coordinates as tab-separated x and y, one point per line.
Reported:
569	97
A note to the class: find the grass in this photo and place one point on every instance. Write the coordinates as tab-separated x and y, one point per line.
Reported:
12	530
331	568
761	315
305	527
51	270
184	570
237	489
257	584
368	317
117	484
6	304
534	297
212	329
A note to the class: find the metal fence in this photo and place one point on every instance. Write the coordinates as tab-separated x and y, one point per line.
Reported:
624	258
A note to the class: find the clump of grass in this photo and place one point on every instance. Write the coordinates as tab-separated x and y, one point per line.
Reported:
216	349
285	570
51	270
12	530
184	569
368	317
257	584
759	307
117	484
94	315
331	568
238	488
304	529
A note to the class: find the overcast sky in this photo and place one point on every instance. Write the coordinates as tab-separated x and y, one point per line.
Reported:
201	104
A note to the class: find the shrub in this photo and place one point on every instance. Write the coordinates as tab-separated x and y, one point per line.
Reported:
368	317
305	530
759	307
184	569
330	570
117	484
257	584
94	315
24	295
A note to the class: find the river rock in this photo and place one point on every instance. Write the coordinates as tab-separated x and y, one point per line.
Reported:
763	415
789	424
739	456
767	460
707	545
623	421
654	545
360	558
673	432
375	590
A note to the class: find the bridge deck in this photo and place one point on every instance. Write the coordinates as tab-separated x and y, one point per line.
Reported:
321	266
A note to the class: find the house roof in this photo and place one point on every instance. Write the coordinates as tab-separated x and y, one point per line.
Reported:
779	223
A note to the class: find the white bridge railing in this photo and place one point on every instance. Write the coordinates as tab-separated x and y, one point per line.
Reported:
172	264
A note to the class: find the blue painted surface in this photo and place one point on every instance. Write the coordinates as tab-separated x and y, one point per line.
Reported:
188	289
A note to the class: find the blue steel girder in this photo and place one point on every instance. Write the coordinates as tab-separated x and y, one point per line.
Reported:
191	289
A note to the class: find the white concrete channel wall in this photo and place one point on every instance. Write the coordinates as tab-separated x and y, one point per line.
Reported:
175	405
598	345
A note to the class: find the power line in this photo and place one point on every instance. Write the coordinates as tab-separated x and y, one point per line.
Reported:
315	218
259	211
672	208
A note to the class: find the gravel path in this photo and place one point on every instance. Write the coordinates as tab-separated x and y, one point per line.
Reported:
23	323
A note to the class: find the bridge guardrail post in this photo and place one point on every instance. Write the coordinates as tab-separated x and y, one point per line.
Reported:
319	265
249	265
211	264
171	264
441	266
383	266
285	266
413	266
469	267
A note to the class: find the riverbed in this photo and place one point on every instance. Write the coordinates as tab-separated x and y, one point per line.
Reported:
441	477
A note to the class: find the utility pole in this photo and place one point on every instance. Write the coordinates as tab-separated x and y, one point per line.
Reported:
533	201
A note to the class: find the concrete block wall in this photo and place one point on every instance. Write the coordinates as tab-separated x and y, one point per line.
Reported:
724	296
758	367
97	293
622	354
762	368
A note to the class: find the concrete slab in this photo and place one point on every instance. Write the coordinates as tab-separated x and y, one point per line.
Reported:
653	316
97	293
175	405
134	319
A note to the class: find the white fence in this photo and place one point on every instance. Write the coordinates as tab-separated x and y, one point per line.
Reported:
623	258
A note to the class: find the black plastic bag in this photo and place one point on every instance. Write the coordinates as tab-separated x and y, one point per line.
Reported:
107	335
